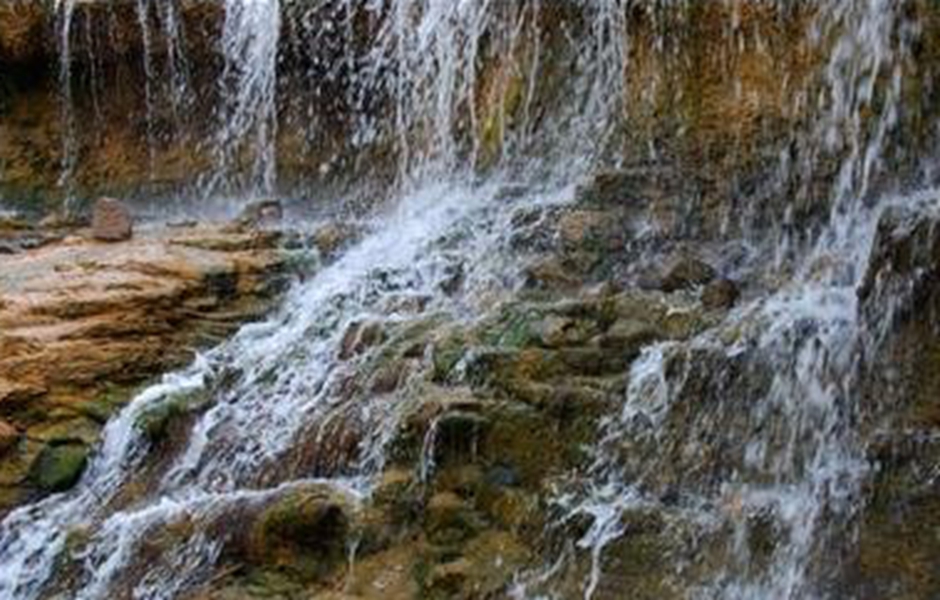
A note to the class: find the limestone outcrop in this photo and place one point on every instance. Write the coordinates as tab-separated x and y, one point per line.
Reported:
82	323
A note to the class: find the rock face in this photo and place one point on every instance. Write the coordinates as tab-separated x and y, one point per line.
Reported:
82	324
111	221
900	300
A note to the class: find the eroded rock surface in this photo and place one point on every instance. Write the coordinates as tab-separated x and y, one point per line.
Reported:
83	322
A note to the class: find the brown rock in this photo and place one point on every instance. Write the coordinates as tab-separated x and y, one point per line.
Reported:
16	394
77	315
9	437
687	272
359	337
720	294
111	221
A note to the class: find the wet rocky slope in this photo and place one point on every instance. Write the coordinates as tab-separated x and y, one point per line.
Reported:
617	299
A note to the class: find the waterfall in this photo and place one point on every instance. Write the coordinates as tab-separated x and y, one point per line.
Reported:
277	392
248	120
284	381
143	17
803	465
65	10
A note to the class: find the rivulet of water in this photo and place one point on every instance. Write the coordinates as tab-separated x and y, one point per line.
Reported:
65	10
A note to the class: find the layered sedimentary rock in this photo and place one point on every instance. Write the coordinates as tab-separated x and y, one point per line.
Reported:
83	323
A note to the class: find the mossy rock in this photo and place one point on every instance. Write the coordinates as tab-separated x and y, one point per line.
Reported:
156	423
447	352
450	520
73	430
899	536
306	531
110	400
59	467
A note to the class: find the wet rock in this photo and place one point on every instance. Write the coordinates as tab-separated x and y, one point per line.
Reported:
9	437
17	395
306	530
82	321
635	187
60	219
687	272
111	221
59	466
450	520
260	214
555	331
454	275
359	337
447	350
458	437
484	569
550	274
157	423
331	238
903	266
628	336
388	377
13	225
591	230
720	294
897	546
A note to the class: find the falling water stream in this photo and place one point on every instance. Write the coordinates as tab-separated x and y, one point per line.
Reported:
277	382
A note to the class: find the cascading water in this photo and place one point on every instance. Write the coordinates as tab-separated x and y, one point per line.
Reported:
158	26
803	465
249	118
143	17
283	382
279	387
65	10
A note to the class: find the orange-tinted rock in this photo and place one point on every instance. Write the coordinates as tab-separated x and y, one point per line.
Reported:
78	317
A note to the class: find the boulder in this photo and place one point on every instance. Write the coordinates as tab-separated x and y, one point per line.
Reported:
305	530
330	238
111	221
